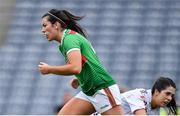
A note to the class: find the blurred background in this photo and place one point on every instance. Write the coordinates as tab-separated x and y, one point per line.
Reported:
136	40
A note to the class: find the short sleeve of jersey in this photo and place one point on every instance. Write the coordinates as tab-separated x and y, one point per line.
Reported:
71	43
135	101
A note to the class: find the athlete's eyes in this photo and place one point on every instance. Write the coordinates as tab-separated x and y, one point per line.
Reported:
169	94
44	25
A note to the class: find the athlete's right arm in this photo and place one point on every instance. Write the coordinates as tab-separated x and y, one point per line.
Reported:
73	66
140	112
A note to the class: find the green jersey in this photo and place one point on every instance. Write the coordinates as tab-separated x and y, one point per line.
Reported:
93	76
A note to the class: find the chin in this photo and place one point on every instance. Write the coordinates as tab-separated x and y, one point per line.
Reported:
163	105
49	39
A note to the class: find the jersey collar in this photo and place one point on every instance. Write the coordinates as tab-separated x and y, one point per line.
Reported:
149	97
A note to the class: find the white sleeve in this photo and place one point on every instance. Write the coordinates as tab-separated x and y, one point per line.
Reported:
136	102
72	50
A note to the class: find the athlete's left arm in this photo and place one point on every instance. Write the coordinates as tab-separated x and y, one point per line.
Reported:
140	112
73	66
74	83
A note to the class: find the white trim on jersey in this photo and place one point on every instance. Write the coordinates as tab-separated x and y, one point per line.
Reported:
72	50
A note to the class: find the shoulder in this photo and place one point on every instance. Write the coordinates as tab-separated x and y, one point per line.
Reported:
134	93
71	33
73	37
143	91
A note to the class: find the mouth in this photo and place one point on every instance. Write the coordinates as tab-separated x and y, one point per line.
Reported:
165	102
45	35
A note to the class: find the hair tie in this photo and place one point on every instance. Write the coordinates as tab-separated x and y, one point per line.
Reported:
57	18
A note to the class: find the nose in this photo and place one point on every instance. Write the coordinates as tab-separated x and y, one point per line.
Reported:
42	30
169	98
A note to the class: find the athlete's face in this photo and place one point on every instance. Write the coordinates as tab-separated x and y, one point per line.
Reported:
49	29
164	97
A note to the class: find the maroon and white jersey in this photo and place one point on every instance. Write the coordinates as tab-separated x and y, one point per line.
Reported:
138	99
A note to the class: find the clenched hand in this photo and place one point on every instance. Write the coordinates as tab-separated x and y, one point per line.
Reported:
44	68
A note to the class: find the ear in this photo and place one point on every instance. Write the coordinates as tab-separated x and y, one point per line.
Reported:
55	25
156	92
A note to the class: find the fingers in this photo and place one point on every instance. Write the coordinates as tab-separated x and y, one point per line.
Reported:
43	68
41	64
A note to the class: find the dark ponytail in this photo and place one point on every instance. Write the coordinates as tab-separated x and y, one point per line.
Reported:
66	19
161	84
172	106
